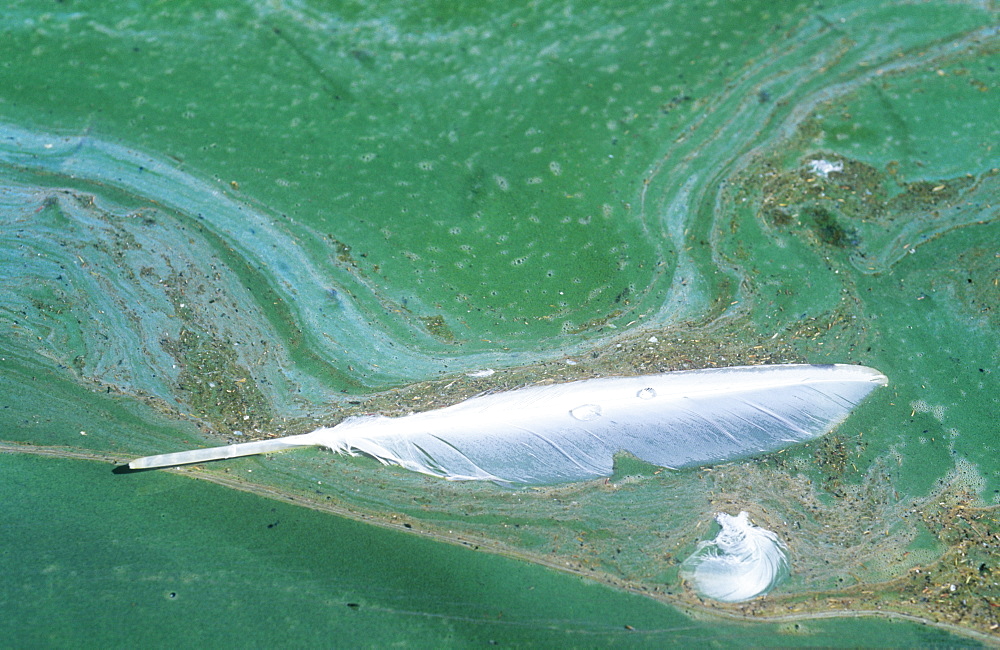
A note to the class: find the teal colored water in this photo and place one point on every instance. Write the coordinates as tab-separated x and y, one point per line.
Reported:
173	560
224	221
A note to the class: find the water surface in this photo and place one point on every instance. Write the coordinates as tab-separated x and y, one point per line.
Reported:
232	221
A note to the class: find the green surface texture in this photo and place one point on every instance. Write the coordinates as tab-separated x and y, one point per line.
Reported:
231	220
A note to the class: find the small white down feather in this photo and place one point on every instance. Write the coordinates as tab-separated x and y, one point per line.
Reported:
742	562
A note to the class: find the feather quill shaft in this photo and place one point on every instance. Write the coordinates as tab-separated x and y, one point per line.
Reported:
569	432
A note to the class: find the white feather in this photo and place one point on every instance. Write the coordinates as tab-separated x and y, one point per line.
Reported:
742	562
572	431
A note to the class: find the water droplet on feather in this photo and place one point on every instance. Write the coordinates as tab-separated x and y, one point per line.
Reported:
586	412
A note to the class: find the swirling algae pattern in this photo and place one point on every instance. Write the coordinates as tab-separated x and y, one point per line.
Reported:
550	193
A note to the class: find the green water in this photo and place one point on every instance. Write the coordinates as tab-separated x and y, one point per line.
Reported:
173	560
224	221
